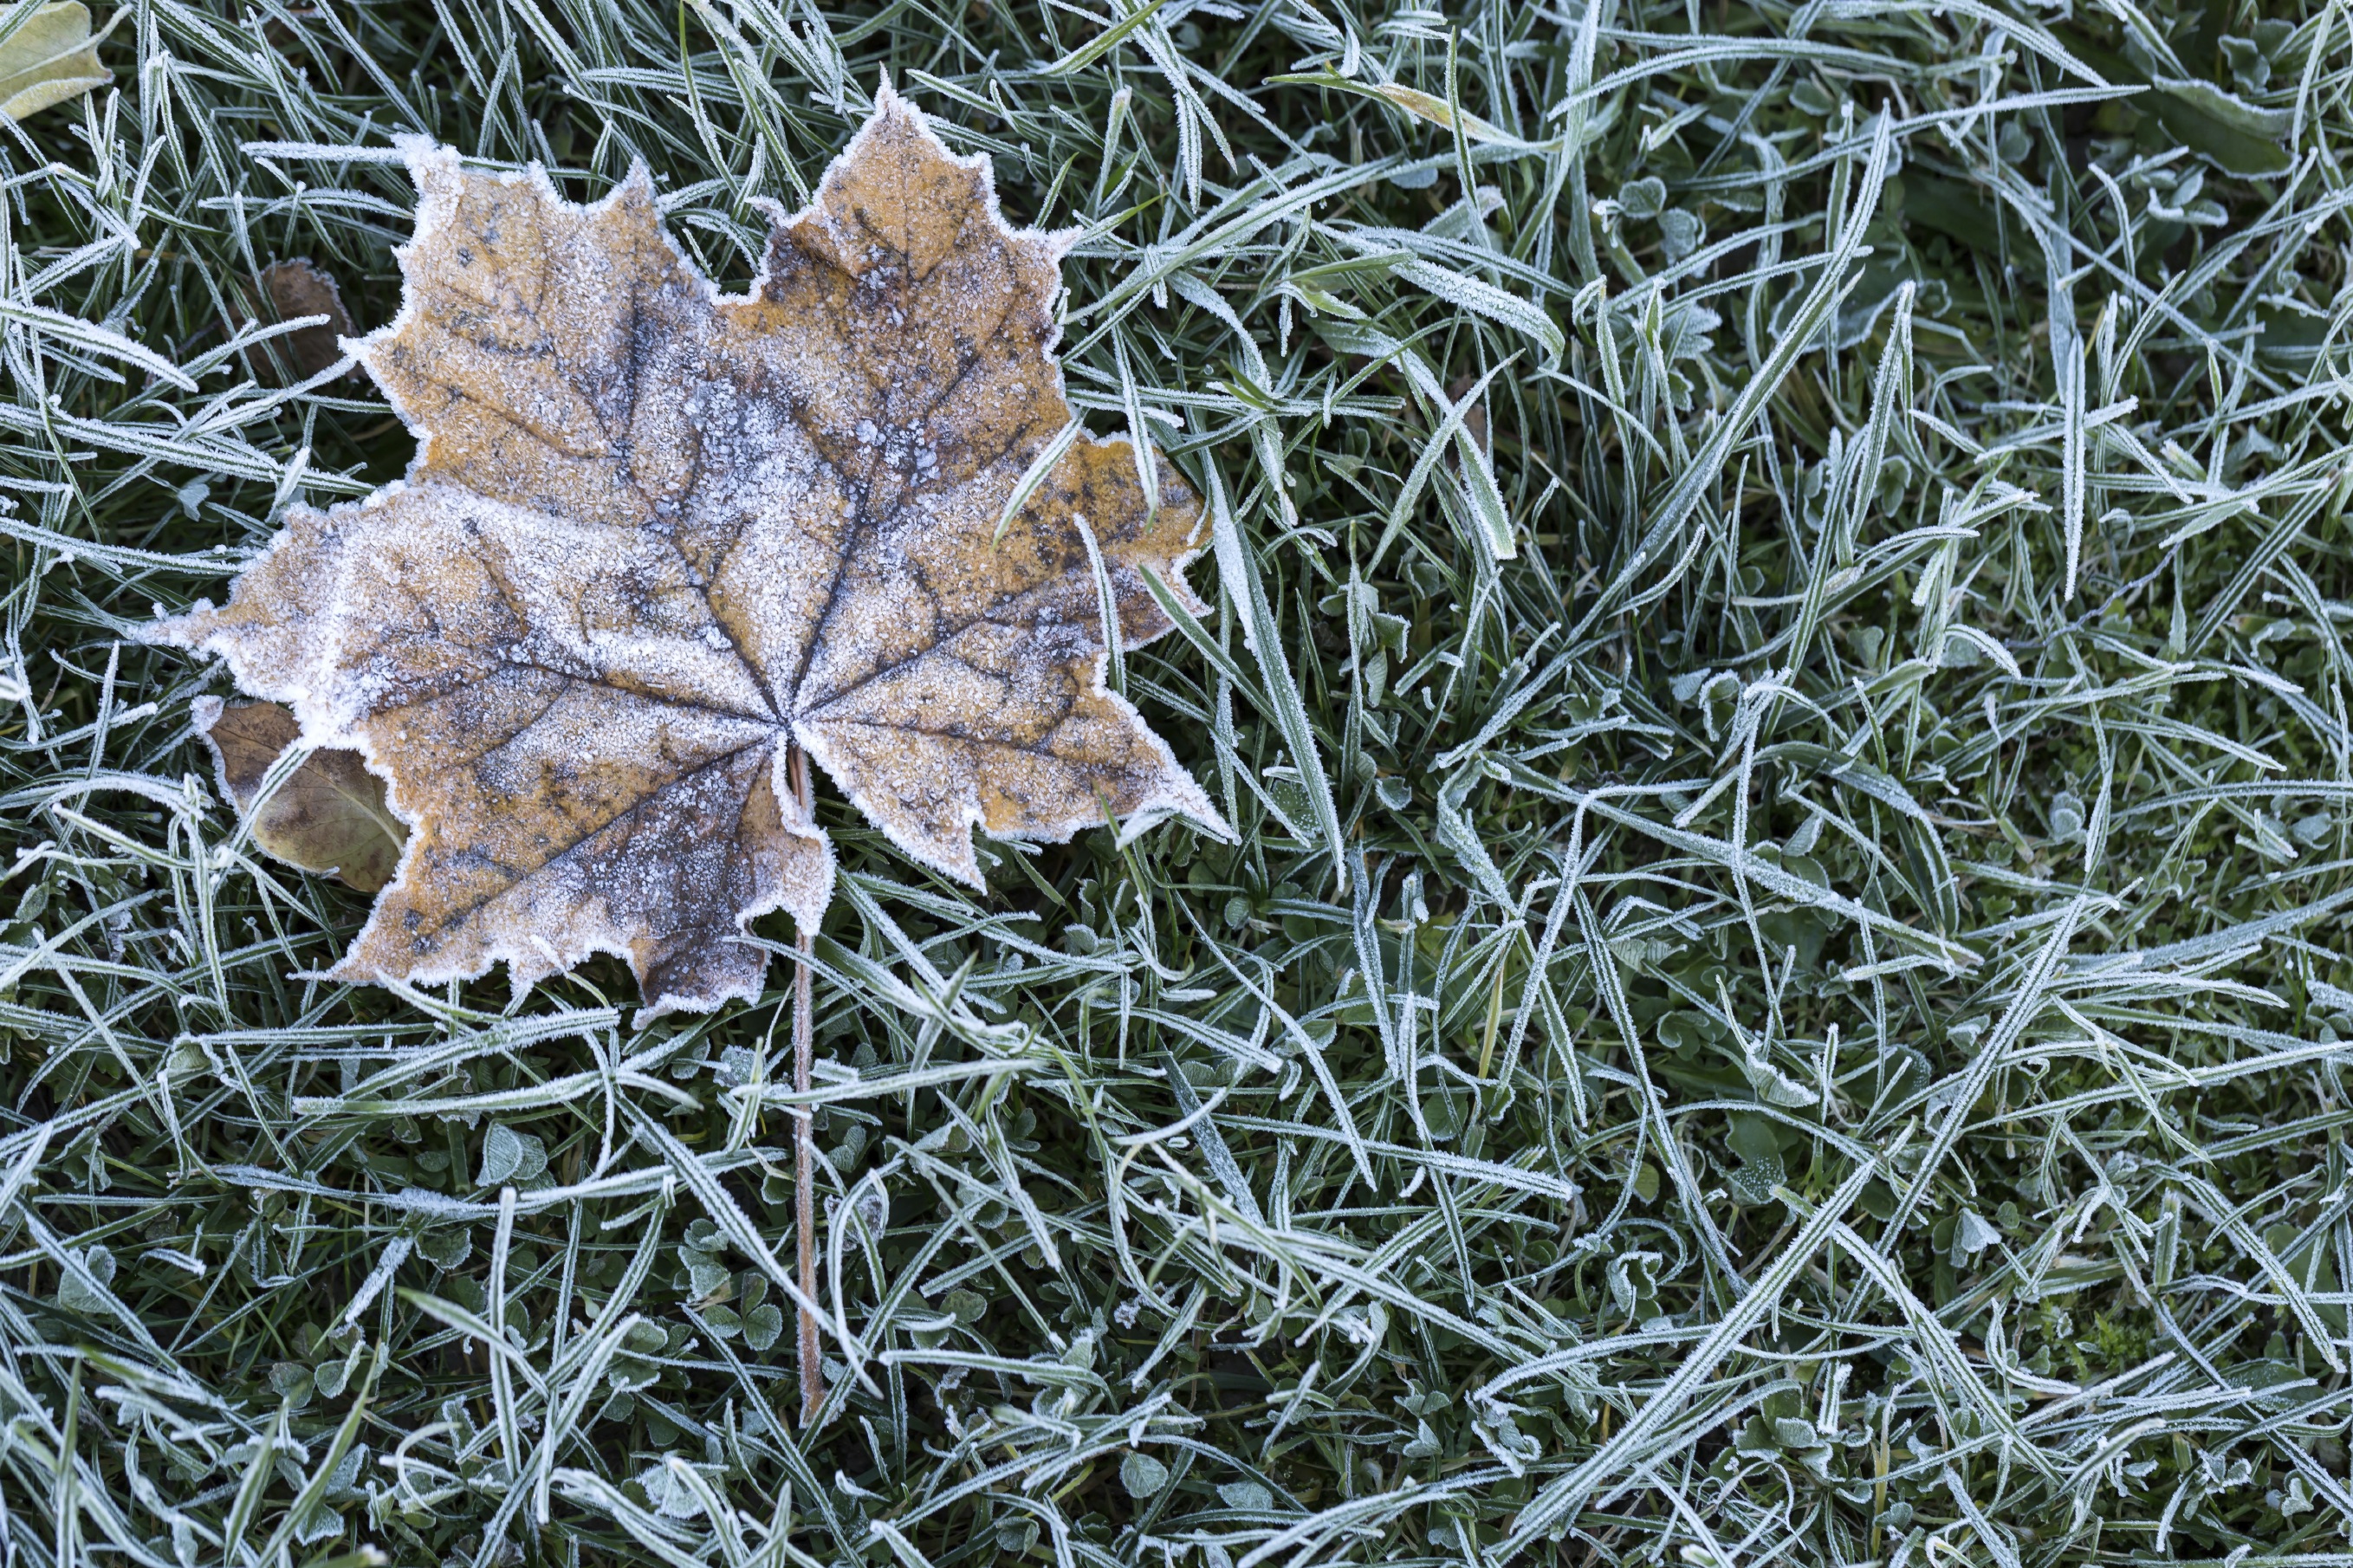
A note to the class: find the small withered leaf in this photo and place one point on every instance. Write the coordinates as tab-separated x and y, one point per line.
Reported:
296	289
655	537
329	815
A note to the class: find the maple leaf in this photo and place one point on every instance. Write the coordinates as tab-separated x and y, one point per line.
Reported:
654	537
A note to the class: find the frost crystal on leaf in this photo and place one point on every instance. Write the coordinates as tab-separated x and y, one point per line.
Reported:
654	536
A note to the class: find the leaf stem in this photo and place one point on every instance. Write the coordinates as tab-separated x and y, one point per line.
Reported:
804	1141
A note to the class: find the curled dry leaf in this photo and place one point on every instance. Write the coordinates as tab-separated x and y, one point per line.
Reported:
50	57
655	536
329	815
296	289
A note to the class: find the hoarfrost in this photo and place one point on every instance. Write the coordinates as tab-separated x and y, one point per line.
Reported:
654	536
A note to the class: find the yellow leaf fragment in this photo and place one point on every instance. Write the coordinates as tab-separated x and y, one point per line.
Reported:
329	815
48	60
655	536
1439	113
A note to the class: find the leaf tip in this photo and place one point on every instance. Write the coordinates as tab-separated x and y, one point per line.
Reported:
186	630
432	166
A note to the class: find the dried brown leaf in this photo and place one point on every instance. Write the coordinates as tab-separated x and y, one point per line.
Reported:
328	816
296	289
655	536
